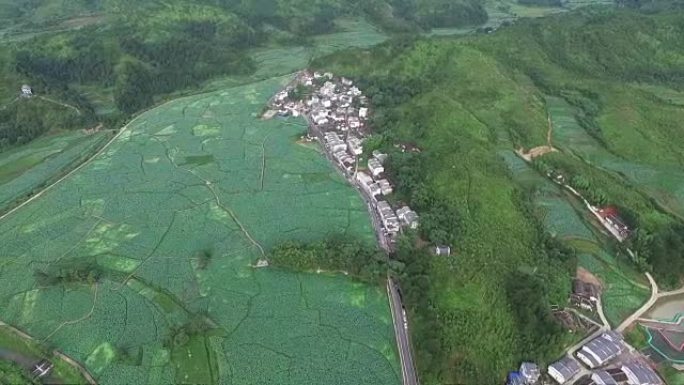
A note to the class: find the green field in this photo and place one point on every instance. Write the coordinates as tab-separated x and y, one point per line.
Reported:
108	267
25	169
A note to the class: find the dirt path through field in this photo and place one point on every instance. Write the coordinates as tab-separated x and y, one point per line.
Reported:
540	150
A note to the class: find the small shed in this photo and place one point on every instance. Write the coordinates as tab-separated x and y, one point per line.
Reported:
26	90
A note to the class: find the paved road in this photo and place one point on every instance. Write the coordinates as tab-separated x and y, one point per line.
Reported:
408	371
401	332
655	296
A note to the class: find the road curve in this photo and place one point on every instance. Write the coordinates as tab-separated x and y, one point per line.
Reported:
408	371
637	314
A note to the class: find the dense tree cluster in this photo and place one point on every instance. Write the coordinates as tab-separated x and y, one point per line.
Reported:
360	260
69	272
27	119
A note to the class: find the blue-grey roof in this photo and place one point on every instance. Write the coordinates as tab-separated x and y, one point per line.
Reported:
566	366
514	378
643	373
605	347
602	377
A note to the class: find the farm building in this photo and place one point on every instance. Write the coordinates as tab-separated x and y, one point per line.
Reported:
563	370
601	349
602	377
530	372
441	250
612	216
584	294
618	375
638	373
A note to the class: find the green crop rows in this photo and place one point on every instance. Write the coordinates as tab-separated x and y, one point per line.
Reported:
663	182
26	168
197	176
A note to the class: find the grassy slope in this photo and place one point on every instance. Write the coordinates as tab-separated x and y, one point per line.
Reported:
461	137
484	94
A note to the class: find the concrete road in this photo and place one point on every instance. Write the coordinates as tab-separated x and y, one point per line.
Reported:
408	371
656	294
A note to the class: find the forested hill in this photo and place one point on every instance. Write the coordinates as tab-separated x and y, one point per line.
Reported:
467	103
86	52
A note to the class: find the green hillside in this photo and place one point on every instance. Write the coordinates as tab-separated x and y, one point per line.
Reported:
610	82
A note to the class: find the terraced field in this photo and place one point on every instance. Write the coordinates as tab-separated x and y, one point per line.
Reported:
623	289
139	264
664	182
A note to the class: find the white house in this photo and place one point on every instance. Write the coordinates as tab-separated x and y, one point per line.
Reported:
375	167
408	216
355	145
530	372
363	112
354	122
386	188
26	90
379	156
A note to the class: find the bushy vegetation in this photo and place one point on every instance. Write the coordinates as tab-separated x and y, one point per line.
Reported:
27	119
11	374
363	261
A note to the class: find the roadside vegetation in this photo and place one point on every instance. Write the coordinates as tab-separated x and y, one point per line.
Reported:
24	349
466	102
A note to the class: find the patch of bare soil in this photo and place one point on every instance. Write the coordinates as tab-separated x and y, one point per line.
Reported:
585	275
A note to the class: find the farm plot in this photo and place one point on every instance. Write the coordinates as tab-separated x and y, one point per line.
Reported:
25	168
622	293
139	264
665	183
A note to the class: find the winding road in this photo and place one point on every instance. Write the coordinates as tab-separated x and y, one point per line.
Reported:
655	296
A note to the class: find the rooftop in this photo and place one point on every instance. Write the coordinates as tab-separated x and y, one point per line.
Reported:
602	377
566	366
601	349
642	373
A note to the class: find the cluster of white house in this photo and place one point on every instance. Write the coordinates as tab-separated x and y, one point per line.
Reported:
375	186
338	113
596	355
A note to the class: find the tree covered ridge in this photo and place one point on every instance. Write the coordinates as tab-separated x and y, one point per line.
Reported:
479	312
138	51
